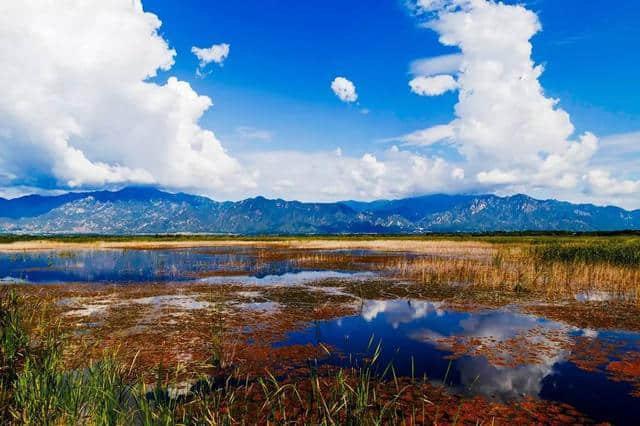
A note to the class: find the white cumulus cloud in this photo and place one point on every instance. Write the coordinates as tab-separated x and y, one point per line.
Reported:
511	135
344	89
78	109
503	118
432	86
601	182
216	53
333	175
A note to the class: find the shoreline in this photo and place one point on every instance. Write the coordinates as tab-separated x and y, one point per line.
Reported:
410	245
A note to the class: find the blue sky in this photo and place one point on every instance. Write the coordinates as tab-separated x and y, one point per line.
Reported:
285	53
540	97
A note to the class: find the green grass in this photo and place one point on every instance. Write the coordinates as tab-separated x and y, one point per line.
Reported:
36	389
621	252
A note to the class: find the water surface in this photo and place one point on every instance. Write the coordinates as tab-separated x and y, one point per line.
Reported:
142	266
414	336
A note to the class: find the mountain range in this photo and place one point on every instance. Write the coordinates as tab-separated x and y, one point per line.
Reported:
146	210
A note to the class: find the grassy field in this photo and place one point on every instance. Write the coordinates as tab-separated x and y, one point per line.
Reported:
622	251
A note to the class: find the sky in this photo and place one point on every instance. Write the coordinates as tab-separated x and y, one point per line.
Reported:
322	101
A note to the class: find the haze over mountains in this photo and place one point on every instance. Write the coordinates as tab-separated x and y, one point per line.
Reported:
148	210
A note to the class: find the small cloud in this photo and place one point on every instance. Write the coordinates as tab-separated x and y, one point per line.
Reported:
216	53
200	73
364	111
424	137
444	64
344	89
247	132
433	86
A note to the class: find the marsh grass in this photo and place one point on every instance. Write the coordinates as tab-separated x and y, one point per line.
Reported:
612	252
547	267
549	271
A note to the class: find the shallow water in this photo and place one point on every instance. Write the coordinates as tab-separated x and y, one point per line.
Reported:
288	278
604	296
141	266
415	336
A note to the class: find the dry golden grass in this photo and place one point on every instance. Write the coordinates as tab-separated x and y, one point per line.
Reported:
417	246
434	247
514	268
102	245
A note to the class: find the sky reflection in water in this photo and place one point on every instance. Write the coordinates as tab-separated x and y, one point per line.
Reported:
412	328
140	266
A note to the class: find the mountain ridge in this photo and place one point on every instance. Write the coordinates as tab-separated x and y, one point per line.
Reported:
134	210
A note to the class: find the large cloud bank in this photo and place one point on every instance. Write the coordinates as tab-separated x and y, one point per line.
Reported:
77	109
327	176
512	136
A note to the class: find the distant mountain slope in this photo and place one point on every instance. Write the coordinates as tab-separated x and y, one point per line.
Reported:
148	210
415	208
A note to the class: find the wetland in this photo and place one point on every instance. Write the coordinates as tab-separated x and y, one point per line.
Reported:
322	331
